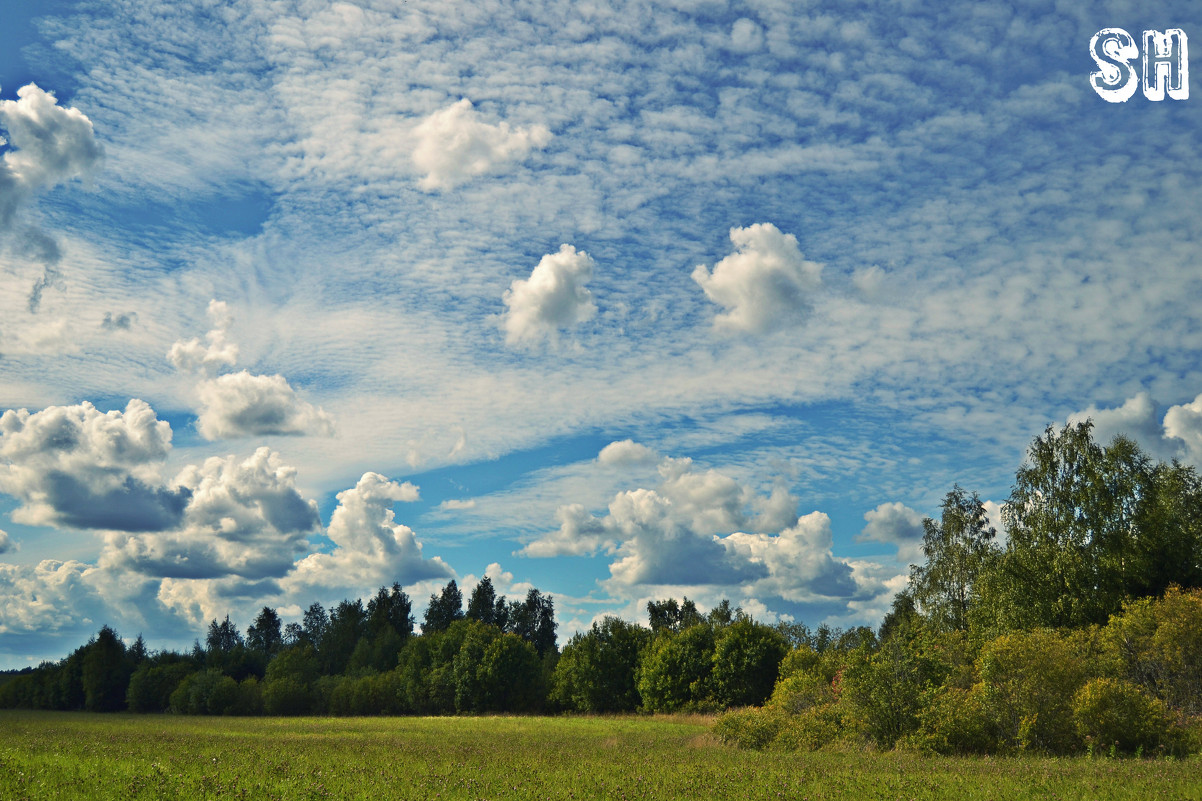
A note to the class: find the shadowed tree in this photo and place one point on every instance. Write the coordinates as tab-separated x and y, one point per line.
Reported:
106	673
486	606
444	608
264	634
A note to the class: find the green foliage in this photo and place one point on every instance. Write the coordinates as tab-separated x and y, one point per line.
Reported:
443	609
106	673
751	727
1158	642
1112	712
1030	679
747	657
597	669
955	720
207	692
676	672
510	676
884	690
264	635
956	549
1090	528
151	685
286	696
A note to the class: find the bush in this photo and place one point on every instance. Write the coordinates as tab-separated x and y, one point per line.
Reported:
747	659
815	728
1159	644
1029	681
285	696
209	692
957	721
1111	712
752	727
676	673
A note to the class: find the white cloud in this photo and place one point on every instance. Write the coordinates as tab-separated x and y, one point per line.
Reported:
764	285
244	405
746	36
799	561
455	145
6	543
1138	418
579	533
686	532
457	504
627	452
895	524
45	597
371	548
244	518
52	145
553	297
195	356
868	280
241	404
77	467
1184	422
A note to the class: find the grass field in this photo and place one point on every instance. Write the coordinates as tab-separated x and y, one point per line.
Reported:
80	756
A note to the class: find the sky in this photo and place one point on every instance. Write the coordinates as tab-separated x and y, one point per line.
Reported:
620	301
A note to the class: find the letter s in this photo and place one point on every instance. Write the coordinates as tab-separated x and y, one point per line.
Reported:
1113	50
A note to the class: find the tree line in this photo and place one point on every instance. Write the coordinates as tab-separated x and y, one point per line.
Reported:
1079	631
495	655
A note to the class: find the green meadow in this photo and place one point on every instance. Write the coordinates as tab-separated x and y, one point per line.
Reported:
82	756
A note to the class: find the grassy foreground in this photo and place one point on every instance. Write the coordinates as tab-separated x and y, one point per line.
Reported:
80	756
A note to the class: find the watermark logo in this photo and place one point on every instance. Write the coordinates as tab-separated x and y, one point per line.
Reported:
1165	64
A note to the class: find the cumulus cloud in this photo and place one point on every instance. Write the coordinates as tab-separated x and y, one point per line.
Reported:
6	543
215	353
692	530
44	597
1184	422
371	548
553	297
245	518
626	452
895	524
764	285
798	560
455	145
244	405
457	504
78	467
1138	418
241	404
51	145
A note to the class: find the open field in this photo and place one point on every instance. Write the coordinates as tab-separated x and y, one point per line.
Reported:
81	756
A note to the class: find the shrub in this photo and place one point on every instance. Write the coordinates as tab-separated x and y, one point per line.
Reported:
957	721
1029	681
285	696
751	727
815	728
1111	712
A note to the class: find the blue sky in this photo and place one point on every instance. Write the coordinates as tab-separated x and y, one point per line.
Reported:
620	301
